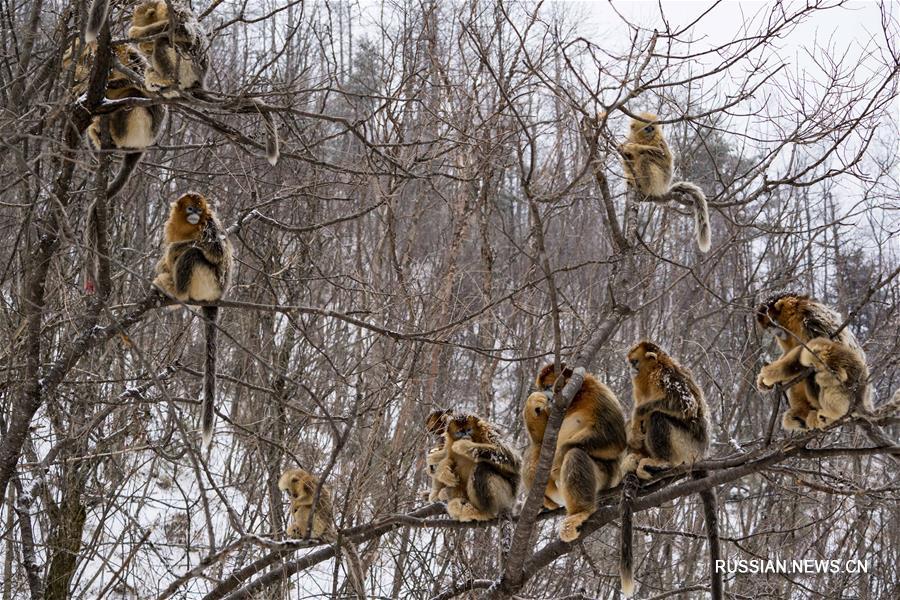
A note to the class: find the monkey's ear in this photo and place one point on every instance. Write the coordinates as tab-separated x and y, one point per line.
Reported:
650	355
308	487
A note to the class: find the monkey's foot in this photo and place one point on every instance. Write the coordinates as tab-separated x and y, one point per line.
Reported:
568	531
630	462
794	421
464	511
294	532
154	82
648	467
821	419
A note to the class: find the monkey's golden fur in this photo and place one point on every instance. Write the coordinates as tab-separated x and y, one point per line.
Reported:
480	471
669	426
131	129
670	421
196	267
301	486
178	56
647	164
196	264
821	398
646	158
841	378
588	449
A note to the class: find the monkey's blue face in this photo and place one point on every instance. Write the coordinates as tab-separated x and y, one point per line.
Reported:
649	129
193	214
635	363
464	434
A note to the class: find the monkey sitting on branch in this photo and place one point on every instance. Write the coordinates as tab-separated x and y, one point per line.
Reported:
588	449
306	509
174	43
480	470
132	129
837	380
196	267
669	427
647	163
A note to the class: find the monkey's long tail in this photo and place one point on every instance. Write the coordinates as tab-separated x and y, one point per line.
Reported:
273	144
129	162
355	572
712	535
96	18
626	561
210	315
701	212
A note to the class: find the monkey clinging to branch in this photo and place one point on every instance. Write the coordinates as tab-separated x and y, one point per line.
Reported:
196	267
175	44
588	449
804	330
669	427
647	162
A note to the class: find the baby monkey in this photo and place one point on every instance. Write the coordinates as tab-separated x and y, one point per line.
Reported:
804	330
669	427
301	488
647	163
436	425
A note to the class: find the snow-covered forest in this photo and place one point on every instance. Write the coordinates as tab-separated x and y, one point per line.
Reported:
448	214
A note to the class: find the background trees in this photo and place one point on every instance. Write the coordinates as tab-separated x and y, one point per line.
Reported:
448	215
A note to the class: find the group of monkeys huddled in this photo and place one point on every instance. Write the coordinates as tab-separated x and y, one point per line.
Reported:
166	56
478	474
472	468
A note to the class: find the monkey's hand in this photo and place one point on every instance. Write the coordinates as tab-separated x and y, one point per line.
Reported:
636	440
635	433
141	31
654	151
435	455
472	449
444	474
764	382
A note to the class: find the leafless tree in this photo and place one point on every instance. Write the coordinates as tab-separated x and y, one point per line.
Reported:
449	213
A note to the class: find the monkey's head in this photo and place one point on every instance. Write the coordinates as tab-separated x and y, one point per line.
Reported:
779	314
645	355
468	427
297	483
187	217
150	11
436	421
546	378
645	128
536	414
